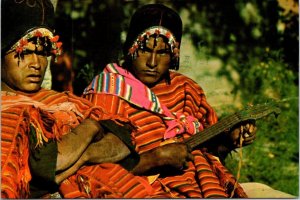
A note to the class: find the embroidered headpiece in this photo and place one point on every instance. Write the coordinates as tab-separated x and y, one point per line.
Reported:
155	31
41	36
21	17
154	20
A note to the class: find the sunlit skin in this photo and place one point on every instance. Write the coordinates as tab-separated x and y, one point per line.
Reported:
24	74
152	63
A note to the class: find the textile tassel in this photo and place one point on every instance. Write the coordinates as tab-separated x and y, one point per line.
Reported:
24	168
84	185
38	42
166	189
44	126
227	181
155	41
144	41
39	135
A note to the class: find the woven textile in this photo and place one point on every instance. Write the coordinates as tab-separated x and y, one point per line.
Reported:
205	177
52	115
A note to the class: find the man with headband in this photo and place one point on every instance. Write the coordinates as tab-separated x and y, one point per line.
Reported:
162	104
43	133
47	136
165	106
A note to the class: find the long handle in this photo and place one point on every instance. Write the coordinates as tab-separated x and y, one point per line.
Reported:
212	131
250	113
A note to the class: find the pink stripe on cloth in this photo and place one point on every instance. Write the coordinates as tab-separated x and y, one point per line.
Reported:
142	96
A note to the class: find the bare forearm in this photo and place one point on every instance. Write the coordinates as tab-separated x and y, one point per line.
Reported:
109	149
70	171
175	155
145	164
73	144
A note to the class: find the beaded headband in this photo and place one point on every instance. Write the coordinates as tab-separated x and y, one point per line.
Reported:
20	46
156	31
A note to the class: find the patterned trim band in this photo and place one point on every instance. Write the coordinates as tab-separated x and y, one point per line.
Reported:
39	33
155	30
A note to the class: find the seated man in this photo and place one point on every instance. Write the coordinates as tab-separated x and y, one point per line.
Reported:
163	105
47	136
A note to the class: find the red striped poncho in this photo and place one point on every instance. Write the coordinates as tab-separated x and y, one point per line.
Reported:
52	114
205	177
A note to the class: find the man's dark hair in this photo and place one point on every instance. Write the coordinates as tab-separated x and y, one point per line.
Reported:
148	16
20	17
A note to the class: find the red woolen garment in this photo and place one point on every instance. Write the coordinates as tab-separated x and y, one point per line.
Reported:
205	177
52	115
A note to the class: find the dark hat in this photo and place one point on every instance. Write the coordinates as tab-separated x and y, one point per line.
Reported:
19	17
153	15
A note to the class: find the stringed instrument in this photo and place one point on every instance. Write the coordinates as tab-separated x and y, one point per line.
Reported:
249	113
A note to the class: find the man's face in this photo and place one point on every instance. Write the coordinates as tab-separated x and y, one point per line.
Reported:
24	74
152	62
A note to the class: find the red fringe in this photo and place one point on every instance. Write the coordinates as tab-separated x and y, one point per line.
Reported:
227	180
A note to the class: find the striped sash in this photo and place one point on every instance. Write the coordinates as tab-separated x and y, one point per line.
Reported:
115	80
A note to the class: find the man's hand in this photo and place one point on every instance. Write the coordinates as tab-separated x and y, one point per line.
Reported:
245	130
175	155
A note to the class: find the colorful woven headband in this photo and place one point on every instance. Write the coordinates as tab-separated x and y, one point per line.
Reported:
157	31
20	46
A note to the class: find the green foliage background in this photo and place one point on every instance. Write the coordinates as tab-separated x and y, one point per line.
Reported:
258	40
